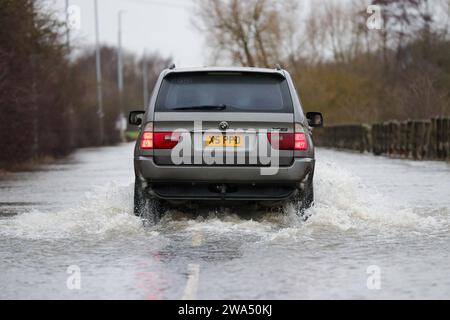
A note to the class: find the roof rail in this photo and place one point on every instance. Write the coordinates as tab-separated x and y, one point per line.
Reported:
172	66
278	66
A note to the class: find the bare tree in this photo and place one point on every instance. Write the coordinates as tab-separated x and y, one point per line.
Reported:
251	33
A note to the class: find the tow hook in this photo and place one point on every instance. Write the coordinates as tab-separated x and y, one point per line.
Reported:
223	191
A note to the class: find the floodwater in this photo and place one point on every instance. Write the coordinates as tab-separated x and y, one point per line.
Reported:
380	229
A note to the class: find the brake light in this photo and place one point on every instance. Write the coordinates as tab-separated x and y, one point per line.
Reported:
158	140
166	140
291	141
147	140
301	143
285	140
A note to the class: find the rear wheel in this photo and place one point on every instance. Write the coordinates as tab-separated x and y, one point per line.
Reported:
145	206
305	198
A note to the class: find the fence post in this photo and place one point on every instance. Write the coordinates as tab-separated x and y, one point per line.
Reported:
416	139
366	137
446	134
410	139
432	148
426	139
404	139
376	139
386	137
440	138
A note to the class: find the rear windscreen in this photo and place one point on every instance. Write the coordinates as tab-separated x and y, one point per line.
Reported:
239	92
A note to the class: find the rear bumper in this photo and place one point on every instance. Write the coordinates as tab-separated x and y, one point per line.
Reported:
221	183
222	192
147	169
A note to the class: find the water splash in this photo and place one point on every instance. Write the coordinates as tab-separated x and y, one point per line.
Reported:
342	203
106	211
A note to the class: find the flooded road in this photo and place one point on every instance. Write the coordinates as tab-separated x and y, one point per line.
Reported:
380	229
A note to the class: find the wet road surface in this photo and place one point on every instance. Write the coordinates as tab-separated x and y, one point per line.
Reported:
380	229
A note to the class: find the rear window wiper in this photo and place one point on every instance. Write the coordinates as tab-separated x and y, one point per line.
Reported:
202	107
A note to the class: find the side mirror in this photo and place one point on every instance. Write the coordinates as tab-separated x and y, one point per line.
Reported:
136	117
315	119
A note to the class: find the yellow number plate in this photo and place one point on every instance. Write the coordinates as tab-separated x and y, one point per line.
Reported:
223	140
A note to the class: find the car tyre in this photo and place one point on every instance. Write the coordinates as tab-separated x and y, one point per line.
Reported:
305	198
145	206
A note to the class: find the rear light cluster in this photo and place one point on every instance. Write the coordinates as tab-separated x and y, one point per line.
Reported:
291	141
168	140
158	140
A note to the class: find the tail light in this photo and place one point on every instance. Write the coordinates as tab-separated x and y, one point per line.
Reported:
147	140
291	141
158	140
166	140
301	143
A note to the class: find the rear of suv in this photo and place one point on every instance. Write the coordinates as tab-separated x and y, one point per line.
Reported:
223	135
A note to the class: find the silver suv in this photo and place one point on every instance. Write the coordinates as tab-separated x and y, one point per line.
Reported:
224	136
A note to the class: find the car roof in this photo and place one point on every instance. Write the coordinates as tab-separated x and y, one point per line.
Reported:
225	69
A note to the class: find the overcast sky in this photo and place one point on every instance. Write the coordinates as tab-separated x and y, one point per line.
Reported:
152	25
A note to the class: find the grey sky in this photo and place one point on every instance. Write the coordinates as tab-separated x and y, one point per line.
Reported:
154	25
